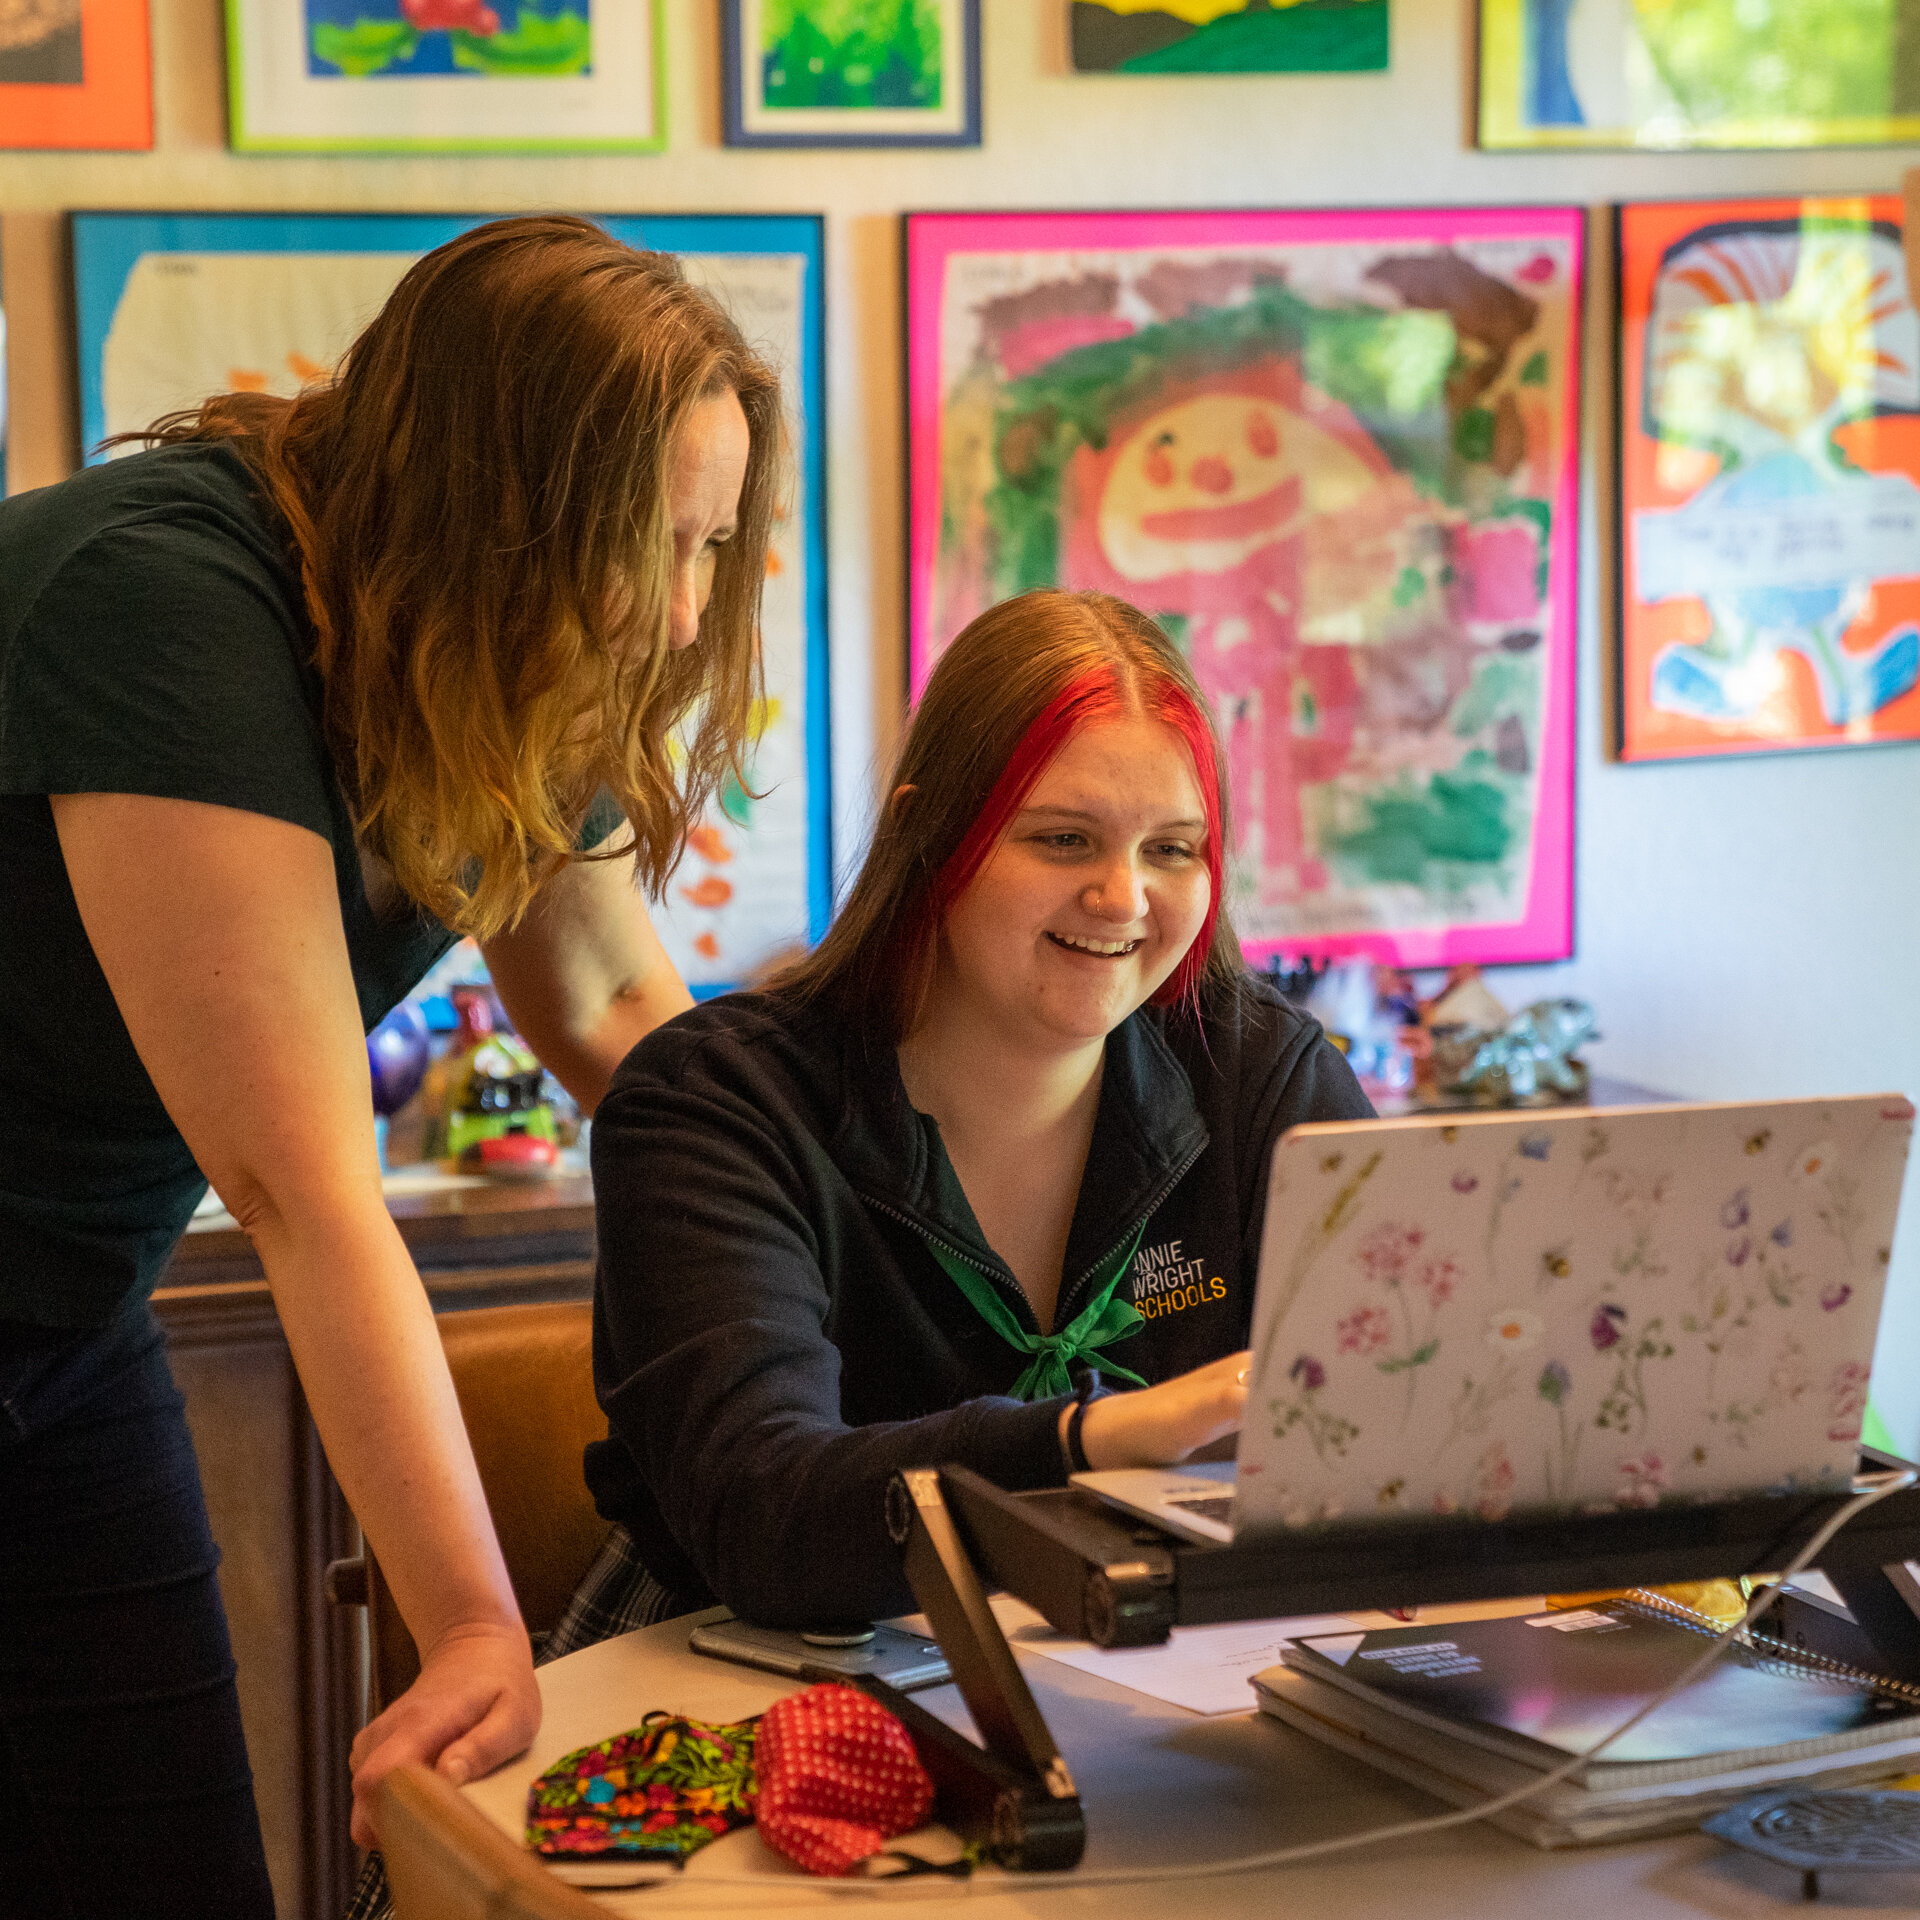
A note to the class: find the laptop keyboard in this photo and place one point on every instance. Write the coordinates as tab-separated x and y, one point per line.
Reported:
1208	1506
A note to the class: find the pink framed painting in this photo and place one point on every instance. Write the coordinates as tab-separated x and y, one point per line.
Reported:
1335	453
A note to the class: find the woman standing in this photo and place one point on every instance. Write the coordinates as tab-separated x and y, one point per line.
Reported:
286	705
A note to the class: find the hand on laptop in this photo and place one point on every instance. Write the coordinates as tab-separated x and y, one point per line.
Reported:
1157	1426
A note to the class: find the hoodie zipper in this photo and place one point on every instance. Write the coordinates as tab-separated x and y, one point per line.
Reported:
1001	1277
1070	1296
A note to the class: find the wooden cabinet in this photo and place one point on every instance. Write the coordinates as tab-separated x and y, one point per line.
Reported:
277	1514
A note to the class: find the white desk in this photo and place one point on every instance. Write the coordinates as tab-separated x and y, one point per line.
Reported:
1161	1785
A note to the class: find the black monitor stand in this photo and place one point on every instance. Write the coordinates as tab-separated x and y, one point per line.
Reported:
1100	1575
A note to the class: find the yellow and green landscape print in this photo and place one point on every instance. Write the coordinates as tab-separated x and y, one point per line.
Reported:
1229	36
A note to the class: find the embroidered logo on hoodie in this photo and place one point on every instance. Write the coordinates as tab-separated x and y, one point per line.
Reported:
1166	1281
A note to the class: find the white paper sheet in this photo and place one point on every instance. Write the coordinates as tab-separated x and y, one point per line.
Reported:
1204	1669
1210	1669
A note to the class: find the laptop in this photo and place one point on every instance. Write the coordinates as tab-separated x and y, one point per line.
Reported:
1575	1310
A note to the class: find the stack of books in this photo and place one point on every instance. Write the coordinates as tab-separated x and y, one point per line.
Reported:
1472	1710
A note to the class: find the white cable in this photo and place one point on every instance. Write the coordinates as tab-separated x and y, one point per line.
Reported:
1877	1487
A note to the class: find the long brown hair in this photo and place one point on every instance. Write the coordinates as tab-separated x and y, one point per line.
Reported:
480	499
1005	697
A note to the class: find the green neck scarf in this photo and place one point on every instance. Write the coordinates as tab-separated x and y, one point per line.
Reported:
1104	1319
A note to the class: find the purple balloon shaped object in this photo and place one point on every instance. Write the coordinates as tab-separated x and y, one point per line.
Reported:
397	1056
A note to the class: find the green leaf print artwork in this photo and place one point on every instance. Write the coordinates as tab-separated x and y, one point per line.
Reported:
851	53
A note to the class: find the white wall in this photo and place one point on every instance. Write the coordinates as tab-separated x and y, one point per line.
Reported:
1745	928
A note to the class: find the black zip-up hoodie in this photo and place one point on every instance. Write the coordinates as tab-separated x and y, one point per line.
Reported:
773	1339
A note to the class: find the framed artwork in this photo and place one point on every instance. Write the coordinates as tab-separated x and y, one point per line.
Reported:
1334	454
1769	455
1710	73
1229	36
850	73
75	74
171	308
446	76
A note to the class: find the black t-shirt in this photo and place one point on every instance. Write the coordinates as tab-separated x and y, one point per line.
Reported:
154	639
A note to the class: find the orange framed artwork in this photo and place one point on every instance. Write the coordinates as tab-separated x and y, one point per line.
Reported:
1769	477
75	74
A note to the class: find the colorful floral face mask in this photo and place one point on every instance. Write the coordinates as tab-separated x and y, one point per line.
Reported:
660	1792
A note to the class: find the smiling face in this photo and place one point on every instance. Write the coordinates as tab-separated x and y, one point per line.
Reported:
709	469
1093	895
1200	485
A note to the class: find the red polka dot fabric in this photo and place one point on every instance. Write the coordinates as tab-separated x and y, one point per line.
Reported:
838	1778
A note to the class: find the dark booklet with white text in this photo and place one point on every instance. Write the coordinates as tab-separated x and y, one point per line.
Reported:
1479	1707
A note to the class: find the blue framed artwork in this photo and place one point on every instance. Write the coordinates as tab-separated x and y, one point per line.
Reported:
446	76
170	308
850	73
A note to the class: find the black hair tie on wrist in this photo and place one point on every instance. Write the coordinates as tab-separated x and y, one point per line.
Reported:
1090	1390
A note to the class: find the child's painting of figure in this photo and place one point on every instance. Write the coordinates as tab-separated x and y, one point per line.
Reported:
1333	454
1699	73
1770	444
1229	36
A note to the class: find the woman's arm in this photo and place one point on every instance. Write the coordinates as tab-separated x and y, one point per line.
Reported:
219	933
583	977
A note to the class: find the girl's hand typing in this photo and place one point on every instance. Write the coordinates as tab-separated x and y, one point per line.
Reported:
1156	1426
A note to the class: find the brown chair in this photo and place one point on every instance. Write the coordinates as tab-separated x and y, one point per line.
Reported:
525	1380
447	1861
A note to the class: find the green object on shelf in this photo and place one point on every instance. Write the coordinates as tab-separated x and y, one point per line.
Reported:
502	1093
466	1130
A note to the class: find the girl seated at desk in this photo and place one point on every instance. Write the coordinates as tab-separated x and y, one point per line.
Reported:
998	1145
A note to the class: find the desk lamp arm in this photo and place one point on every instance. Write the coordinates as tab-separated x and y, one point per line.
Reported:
1013	1794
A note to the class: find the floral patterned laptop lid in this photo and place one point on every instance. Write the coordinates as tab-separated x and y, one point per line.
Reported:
1576	1310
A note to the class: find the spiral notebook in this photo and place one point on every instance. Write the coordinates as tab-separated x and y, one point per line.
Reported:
1480	1707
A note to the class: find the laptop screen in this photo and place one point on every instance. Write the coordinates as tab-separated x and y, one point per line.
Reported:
1578	1309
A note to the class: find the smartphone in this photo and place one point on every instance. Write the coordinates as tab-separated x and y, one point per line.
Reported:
903	1660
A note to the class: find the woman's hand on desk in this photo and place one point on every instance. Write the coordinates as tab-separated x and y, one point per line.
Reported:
1155	1426
475	1704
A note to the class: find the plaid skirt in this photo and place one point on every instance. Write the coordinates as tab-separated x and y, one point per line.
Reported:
617	1595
